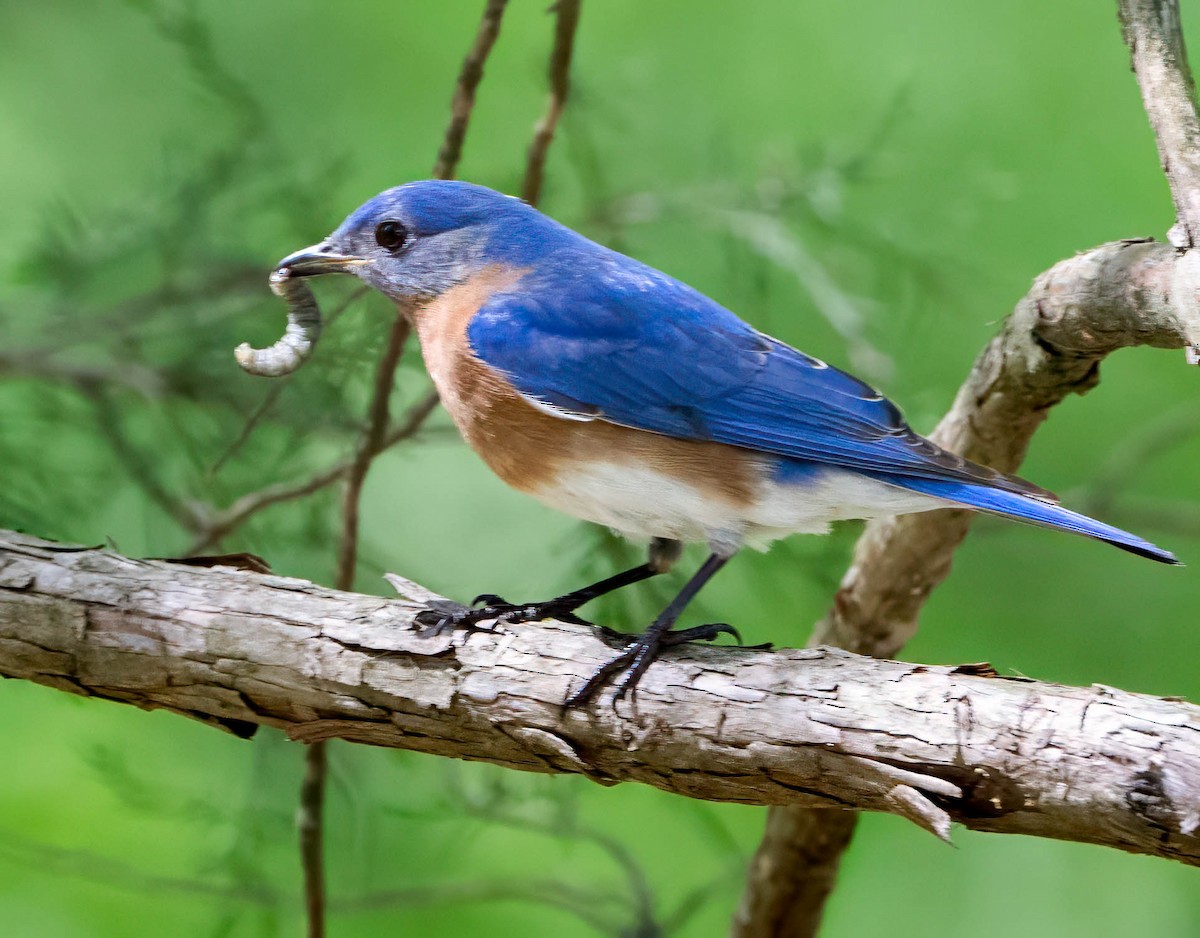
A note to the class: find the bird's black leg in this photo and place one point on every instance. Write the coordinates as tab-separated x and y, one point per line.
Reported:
489	607
636	658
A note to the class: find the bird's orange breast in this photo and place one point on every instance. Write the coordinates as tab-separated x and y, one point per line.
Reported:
530	449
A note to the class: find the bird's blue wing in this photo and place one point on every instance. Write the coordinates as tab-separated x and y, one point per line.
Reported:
608	338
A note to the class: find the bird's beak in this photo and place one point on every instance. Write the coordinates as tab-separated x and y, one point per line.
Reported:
319	259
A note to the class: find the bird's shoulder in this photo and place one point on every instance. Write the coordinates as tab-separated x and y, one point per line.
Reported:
591	320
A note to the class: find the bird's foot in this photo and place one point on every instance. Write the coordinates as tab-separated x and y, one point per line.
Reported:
640	653
489	610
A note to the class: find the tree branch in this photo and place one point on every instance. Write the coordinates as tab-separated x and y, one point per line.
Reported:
469	78
817	727
371	444
795	839
222	523
1154	34
1118	295
310	825
1081	310
566	20
374	439
312	791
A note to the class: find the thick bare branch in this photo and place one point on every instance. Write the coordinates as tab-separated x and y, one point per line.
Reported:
817	727
1119	295
1115	296
1154	35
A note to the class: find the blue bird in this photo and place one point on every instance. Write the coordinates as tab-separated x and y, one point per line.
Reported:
613	392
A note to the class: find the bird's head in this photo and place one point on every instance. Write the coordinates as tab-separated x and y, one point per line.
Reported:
418	240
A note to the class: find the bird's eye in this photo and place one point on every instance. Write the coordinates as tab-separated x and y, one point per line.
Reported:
391	235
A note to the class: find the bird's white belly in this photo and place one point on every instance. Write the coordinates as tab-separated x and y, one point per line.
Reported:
641	502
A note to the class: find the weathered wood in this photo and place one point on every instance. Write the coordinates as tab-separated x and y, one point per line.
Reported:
816	727
1117	295
1154	34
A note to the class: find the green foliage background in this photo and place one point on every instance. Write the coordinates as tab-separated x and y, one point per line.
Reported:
877	183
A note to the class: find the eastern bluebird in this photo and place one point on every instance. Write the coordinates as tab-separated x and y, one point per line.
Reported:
613	392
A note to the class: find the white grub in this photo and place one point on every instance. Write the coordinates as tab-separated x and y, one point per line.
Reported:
296	344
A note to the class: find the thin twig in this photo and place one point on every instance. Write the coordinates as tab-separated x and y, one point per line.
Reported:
414	417
137	462
469	78
565	22
589	905
310	822
1154	34
1135	453
276	389
370	445
637	895
42	363
1172	518
696	898
221	524
225	522
312	792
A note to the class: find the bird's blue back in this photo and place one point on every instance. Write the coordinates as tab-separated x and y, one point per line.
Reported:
596	333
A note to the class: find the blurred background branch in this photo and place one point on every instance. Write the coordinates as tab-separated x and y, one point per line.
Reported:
566	20
376	436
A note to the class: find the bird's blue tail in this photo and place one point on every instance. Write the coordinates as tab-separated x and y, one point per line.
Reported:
1022	507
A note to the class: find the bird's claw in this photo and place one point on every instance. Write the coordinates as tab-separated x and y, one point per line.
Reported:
486	611
708	633
638	655
442	616
701	633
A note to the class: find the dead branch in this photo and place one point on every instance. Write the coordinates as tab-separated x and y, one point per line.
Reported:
220	524
1123	294
818	727
1118	295
1051	346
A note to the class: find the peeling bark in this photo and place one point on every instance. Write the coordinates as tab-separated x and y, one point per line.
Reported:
813	727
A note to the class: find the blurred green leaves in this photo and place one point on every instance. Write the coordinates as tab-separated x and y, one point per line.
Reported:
877	186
